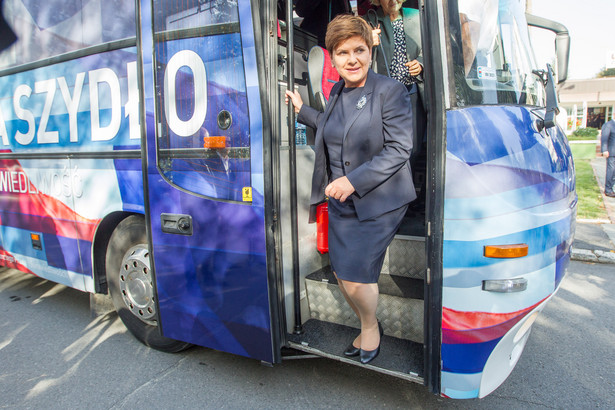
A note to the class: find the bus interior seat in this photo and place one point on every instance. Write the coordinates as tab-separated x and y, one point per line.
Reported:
322	75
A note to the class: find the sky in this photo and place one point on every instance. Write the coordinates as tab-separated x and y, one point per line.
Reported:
591	24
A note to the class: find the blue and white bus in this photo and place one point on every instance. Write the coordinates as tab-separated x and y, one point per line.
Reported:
145	155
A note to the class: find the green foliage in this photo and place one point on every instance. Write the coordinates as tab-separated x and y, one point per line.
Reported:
607	72
588	133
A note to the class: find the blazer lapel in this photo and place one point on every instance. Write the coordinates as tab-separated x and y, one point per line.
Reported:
367	94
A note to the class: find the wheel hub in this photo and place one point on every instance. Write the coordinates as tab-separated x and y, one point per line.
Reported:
136	283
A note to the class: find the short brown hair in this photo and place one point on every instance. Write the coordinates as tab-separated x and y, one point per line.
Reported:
345	26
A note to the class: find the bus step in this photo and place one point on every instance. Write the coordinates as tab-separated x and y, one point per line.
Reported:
406	257
400	305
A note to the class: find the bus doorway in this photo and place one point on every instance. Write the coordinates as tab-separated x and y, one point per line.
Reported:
318	319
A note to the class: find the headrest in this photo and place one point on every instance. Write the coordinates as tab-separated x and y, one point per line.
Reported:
320	71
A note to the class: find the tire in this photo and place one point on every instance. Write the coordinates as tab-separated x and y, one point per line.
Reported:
130	283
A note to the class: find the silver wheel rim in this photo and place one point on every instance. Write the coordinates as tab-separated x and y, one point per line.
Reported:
136	283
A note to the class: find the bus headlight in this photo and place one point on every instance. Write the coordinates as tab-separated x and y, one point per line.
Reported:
505	285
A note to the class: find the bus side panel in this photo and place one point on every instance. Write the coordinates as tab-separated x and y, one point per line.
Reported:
212	284
505	184
83	107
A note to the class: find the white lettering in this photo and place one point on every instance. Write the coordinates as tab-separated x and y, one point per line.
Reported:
132	105
32	188
66	187
105	75
72	103
190	59
23	182
43	136
56	185
14	181
44	183
3	133
4	181
23	90
77	183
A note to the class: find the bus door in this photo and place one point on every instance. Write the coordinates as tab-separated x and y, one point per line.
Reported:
205	183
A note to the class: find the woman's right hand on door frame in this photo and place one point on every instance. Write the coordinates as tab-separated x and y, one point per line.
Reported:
295	98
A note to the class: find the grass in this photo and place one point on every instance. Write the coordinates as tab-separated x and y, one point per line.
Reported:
590	204
583	151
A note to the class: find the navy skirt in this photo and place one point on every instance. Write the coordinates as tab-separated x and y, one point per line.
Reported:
357	248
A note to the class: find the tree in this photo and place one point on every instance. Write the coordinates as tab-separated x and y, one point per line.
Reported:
606	72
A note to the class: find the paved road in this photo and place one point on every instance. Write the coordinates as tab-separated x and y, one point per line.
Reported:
54	356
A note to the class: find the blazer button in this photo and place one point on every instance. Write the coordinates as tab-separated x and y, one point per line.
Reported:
347	163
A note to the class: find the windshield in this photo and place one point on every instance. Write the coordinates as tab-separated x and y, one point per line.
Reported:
492	56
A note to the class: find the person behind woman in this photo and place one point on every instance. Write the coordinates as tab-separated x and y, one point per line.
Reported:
398	53
362	146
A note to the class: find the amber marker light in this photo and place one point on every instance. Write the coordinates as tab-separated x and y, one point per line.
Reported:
506	251
36	241
214	142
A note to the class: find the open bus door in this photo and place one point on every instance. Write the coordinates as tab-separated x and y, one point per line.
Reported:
319	321
205	183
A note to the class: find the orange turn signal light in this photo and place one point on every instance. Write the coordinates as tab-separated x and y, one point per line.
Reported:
35	237
506	251
214	142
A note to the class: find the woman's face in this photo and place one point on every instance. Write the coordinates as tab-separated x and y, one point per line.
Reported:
391	6
352	60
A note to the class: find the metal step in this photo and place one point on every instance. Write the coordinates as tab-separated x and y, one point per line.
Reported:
400	305
406	257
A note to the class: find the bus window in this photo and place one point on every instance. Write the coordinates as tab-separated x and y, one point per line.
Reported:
204	140
70	27
317	13
494	59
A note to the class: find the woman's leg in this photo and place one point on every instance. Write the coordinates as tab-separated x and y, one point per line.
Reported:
365	298
357	342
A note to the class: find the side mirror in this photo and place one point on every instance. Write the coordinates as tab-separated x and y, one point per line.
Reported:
562	42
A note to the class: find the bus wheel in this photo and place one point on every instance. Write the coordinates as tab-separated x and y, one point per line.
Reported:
131	284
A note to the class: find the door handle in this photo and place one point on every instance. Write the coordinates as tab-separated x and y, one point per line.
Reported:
176	224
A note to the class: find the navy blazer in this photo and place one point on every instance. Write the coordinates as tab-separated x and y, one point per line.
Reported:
375	151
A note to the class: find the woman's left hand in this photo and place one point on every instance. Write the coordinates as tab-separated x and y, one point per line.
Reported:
339	189
415	67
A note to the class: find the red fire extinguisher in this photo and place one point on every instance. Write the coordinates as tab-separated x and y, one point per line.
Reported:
322	228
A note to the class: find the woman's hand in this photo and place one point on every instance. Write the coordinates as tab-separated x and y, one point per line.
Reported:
414	67
295	98
339	189
376	35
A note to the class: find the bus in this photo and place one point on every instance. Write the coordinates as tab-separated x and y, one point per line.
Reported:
147	155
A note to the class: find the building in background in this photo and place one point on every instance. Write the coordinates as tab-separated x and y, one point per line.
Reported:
586	103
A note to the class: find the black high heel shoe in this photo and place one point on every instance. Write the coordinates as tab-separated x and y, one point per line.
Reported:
352	351
369	355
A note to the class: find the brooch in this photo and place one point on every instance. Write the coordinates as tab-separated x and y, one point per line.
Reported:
361	103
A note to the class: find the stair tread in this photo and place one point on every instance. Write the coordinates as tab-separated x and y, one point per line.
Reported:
392	285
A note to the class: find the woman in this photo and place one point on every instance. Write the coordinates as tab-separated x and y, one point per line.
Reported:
399	55
363	145
398	30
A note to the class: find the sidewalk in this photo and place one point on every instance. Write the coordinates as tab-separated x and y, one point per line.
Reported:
593	240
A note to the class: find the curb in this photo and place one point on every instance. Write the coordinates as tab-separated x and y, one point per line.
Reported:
596	256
